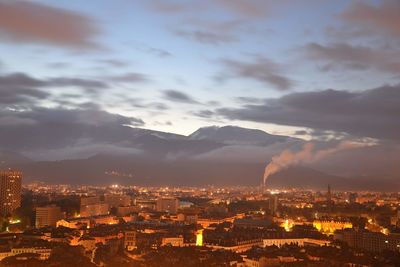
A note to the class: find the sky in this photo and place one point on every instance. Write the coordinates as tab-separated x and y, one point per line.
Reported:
305	68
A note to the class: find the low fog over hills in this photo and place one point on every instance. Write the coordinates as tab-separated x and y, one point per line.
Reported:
227	155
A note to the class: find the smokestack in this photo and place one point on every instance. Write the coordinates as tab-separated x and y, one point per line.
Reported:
308	154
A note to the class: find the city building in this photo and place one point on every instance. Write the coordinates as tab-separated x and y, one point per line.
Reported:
104	219
330	226
301	242
146	204
74	223
94	210
352	198
240	246
273	204
172	241
43	253
130	240
249	223
370	241
169	205
205	222
271	261
123	211
329	194
115	200
10	191
91	200
48	216
93	206
189	216
329	198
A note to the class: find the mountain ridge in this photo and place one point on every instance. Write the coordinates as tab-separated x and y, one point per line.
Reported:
204	157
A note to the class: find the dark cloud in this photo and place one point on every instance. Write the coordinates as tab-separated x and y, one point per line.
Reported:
370	113
20	79
248	100
130	77
260	69
342	55
249	8
27	21
177	96
43	128
169	6
159	106
167	123
158	52
114	62
209	31
155	51
204	113
213	103
191	26
376	19
206	37
20	88
213	31
77	82
300	132
329	135
58	65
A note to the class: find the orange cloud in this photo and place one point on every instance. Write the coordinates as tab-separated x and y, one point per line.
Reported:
33	22
383	17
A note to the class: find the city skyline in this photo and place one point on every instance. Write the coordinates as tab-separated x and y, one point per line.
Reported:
221	133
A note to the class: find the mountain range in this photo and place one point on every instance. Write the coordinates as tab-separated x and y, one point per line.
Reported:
213	155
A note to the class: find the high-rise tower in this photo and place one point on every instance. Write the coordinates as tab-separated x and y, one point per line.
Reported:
10	191
329	198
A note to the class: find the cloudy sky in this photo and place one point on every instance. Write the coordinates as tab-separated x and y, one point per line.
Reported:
304	67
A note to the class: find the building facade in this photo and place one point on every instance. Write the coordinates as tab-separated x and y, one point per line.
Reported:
10	191
117	200
130	240
370	241
48	216
169	205
94	210
330	226
301	242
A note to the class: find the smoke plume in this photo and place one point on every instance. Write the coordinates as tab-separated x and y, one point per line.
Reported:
308	154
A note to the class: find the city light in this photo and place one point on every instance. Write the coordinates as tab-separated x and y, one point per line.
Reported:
199	238
241	133
14	221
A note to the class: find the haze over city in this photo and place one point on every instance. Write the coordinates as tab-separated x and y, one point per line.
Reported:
170	118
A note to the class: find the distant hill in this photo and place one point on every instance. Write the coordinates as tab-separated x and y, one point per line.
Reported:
10	157
227	155
307	178
236	135
107	169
